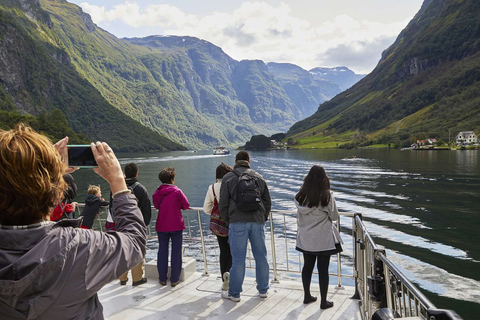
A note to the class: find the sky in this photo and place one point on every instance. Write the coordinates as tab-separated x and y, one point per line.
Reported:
308	33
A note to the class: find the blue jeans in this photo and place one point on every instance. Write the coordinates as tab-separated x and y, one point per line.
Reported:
239	233
175	259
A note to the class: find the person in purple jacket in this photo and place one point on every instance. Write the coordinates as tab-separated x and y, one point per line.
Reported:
169	200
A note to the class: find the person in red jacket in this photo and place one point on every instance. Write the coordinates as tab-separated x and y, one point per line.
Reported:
169	200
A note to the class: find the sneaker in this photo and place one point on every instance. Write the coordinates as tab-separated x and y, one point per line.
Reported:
226	278
263	295
139	282
226	295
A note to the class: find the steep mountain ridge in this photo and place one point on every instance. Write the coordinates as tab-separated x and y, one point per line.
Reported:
37	75
431	74
305	89
184	88
343	76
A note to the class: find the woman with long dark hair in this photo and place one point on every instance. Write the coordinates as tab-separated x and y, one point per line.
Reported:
317	238
217	225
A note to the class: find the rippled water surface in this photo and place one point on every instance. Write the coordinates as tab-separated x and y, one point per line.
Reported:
423	206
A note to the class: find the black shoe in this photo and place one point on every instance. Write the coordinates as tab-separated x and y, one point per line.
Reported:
122	283
309	299
139	282
326	305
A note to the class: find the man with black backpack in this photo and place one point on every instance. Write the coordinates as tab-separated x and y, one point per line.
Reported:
245	204
141	193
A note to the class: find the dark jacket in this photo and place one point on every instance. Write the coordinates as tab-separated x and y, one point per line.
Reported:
71	191
227	206
143	199
92	207
54	271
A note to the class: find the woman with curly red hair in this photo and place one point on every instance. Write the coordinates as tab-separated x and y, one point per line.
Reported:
48	269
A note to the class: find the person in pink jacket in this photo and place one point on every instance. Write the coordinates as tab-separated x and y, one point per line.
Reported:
169	200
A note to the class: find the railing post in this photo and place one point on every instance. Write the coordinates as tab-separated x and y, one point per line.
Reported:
376	282
339	259
203	244
274	256
355	253
388	288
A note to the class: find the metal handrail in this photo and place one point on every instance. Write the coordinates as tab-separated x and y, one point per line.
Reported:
380	283
204	238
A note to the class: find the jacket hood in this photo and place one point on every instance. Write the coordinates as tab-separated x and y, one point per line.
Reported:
166	189
29	277
91	199
306	210
130	181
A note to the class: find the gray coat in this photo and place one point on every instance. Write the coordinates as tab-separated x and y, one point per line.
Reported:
315	228
227	207
54	271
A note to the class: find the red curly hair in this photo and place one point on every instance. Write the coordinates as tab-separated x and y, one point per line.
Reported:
31	181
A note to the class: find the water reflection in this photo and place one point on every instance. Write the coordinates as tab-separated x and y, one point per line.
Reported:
421	204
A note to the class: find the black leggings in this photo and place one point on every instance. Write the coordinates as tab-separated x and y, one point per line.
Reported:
322	267
225	255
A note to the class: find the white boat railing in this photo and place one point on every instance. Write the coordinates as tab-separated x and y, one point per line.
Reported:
379	283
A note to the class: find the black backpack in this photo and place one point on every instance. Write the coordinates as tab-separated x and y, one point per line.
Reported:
248	195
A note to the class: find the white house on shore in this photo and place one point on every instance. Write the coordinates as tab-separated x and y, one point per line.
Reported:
466	138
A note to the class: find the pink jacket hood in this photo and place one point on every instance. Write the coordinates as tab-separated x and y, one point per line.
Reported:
169	200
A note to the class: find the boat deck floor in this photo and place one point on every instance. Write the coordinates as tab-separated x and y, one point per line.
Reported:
199	297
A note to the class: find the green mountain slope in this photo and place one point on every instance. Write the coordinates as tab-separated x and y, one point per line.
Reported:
37	75
54	57
305	90
427	83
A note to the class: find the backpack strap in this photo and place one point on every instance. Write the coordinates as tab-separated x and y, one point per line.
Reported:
249	171
213	189
133	186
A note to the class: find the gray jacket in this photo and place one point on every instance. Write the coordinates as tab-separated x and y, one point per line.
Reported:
315	228
227	206
54	271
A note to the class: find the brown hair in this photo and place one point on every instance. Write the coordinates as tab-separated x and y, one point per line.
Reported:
167	175
222	170
242	155
131	170
93	189
315	190
31	182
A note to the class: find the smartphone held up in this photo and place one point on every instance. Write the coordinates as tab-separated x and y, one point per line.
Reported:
81	156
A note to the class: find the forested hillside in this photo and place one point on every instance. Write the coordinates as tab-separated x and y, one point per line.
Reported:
38	75
426	84
139	93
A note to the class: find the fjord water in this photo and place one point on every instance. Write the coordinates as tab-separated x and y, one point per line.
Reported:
423	206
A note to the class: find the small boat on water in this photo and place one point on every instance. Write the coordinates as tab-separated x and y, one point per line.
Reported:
221	151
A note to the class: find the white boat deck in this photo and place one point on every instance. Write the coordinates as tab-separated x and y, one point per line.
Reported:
199	298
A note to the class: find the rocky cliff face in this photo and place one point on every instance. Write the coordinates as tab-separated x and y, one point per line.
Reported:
342	76
37	75
426	82
306	89
54	56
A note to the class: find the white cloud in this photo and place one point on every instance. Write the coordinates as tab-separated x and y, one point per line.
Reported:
257	30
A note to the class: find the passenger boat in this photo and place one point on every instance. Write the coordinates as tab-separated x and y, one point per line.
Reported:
371	287
221	151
